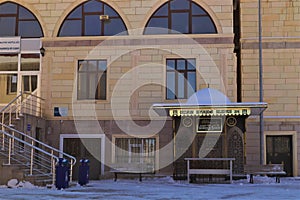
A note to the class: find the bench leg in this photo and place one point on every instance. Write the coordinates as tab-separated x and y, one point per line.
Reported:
116	177
277	179
210	178
251	178
140	177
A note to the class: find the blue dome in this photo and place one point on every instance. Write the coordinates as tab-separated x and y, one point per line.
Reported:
208	96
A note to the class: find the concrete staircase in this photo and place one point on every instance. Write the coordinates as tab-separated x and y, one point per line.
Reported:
22	156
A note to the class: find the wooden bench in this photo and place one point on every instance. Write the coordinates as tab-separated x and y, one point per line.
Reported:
227	171
269	169
132	168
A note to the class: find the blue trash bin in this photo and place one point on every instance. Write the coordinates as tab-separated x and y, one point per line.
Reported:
83	176
62	174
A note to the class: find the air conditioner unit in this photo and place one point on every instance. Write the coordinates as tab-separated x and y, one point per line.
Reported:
104	17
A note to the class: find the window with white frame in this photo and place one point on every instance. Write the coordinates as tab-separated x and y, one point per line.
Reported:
135	150
12	81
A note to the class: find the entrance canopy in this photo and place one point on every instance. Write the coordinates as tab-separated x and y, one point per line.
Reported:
210	102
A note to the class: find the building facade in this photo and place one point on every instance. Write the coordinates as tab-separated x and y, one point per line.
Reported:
101	65
280	60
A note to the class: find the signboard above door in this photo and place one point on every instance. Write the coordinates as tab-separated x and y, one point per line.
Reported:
209	125
10	45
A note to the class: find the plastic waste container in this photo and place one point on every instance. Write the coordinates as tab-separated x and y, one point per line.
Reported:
84	168
62	174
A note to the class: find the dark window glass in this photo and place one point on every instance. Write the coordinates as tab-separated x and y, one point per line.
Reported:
29	83
92	79
114	27
71	28
202	25
109	11
181	78
197	10
8	23
191	87
180	16
12	82
179	4
171	64
157	26
88	16
171	85
18	21
8	8
76	14
93	6
28	28
92	25
25	14
179	22
191	64
181	64
162	11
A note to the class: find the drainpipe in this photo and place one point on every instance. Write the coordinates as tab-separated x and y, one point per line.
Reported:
261	117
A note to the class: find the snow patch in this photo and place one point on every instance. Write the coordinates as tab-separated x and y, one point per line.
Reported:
14	183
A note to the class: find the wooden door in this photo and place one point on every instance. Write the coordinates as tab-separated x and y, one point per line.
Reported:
279	150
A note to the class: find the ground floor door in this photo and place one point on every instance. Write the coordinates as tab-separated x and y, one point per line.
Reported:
280	150
87	148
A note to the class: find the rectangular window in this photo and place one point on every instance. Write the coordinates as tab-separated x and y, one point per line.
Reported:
91	82
135	150
181	78
12	82
29	83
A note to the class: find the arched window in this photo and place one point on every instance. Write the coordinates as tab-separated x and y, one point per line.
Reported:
183	16
93	18
15	20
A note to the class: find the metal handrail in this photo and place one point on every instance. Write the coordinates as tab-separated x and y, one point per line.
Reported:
53	154
17	106
37	141
10	103
7	108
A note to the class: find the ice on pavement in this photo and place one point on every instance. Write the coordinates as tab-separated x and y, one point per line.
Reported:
160	189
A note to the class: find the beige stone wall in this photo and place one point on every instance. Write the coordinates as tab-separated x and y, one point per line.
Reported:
280	29
139	71
281	47
280	18
281	73
215	60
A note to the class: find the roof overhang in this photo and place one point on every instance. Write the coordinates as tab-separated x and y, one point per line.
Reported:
231	109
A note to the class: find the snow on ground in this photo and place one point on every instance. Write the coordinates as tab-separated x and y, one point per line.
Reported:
160	189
